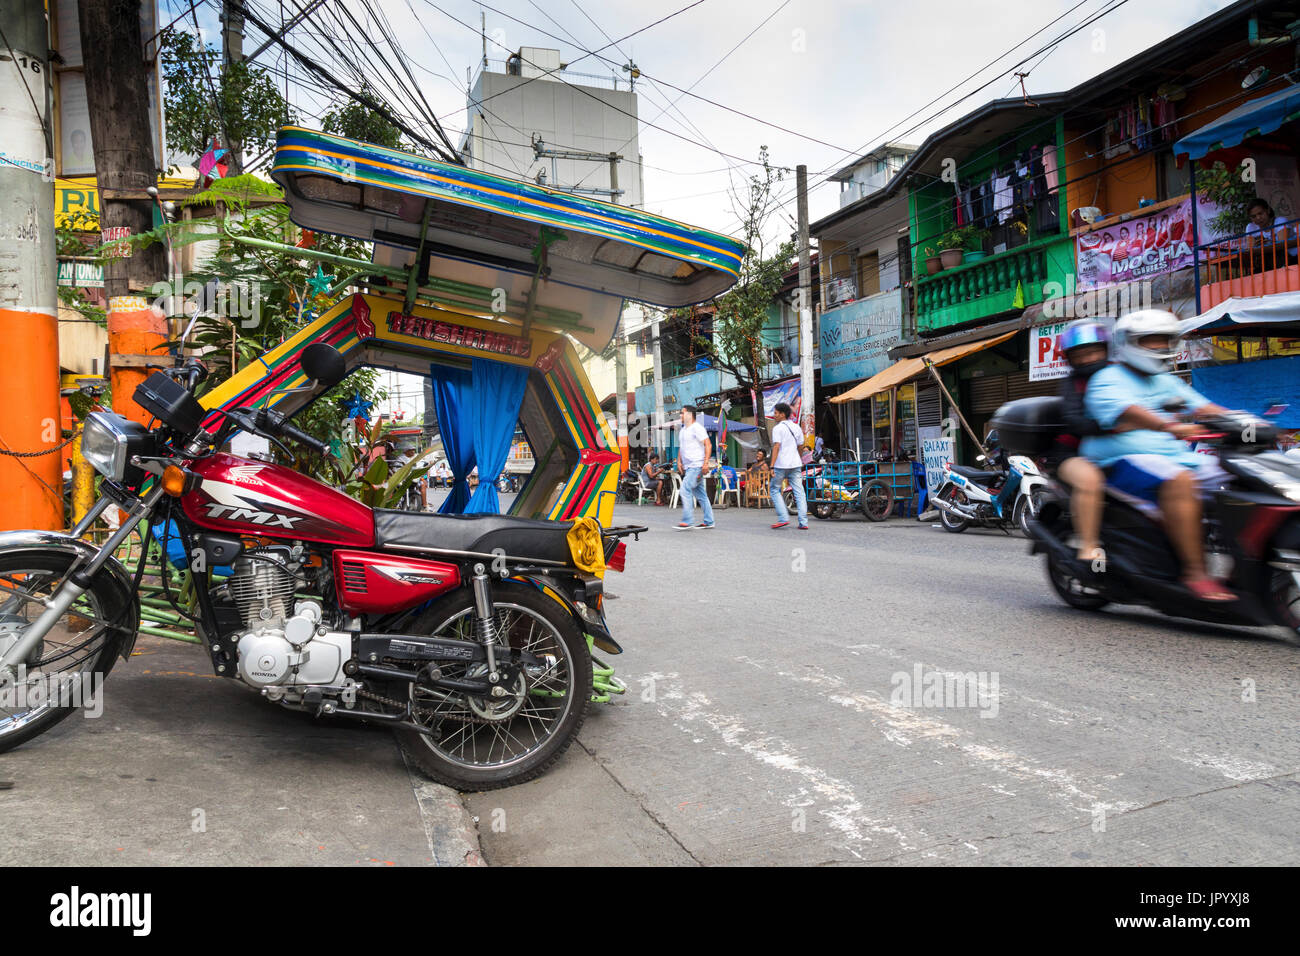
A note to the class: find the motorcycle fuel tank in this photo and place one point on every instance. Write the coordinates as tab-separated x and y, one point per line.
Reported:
369	581
254	497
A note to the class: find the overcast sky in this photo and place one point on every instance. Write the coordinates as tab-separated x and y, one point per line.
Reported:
846	73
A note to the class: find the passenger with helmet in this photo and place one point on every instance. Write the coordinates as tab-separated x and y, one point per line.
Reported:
1141	450
1086	344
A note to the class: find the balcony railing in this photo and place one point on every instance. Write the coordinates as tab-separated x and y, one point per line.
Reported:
1250	265
976	289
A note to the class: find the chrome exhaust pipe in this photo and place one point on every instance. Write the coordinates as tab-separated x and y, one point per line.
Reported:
953	509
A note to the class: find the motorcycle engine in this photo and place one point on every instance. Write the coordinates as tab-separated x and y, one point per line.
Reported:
284	642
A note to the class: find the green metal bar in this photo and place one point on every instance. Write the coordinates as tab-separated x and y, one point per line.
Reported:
412	280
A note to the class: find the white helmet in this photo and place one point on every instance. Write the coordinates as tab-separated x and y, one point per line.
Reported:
1132	328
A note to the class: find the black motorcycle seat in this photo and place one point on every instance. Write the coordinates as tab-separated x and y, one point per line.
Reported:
974	474
528	538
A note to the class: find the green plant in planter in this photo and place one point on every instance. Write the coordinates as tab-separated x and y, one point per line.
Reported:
1225	188
961	237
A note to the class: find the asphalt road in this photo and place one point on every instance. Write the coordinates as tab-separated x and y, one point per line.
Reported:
768	719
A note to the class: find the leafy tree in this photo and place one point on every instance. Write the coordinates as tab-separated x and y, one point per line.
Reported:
355	121
238	105
742	313
264	296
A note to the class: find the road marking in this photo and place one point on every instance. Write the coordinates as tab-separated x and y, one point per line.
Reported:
904	727
844	812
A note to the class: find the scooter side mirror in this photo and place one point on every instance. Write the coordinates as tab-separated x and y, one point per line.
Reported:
324	364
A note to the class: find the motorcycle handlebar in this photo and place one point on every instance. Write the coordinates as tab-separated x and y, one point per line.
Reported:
275	422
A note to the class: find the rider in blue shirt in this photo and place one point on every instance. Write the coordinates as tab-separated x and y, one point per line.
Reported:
1143	454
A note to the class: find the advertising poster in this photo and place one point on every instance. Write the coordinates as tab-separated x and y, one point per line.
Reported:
1138	248
788	392
1047	361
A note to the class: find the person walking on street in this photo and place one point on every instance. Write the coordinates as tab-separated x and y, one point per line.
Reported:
693	452
787	464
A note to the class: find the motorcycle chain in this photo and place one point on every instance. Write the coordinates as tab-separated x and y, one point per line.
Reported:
469	718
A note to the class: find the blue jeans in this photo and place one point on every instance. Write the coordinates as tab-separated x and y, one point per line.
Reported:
795	477
692	487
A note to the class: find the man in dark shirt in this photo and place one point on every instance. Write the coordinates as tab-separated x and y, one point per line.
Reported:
652	478
1086	345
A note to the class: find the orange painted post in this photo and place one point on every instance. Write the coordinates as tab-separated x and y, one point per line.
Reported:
32	488
137	338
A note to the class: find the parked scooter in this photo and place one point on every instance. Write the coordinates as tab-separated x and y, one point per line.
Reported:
1006	494
1251	527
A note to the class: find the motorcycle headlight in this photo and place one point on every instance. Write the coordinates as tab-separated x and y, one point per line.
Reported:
108	441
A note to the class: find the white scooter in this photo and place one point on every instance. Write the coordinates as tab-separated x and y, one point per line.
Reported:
1005	496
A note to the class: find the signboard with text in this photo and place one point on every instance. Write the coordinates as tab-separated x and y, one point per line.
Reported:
1047	361
856	338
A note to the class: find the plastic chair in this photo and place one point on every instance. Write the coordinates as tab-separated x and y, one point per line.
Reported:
677	489
725	488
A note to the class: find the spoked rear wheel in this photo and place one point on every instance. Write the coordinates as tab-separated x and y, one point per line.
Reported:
481	743
66	670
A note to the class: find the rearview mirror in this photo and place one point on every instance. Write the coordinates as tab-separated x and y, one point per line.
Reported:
324	364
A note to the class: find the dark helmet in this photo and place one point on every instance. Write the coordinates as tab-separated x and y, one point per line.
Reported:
1084	332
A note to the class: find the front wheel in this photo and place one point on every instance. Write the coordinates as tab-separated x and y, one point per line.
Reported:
482	743
66	670
1072	589
1027	509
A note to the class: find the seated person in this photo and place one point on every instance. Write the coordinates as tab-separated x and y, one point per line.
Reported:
652	477
1266	226
1143	456
760	462
1086	345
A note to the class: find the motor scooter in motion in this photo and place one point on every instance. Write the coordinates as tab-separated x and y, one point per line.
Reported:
1251	529
1006	494
466	634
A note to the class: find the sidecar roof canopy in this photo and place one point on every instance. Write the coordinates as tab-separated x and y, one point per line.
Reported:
491	232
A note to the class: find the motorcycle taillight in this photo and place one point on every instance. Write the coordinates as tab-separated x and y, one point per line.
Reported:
617	558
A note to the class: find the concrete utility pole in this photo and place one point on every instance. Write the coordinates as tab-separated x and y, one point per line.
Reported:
232	51
660	417
117	92
807	388
32	488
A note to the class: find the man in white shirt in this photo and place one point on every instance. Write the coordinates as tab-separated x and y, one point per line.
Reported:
787	464
693	450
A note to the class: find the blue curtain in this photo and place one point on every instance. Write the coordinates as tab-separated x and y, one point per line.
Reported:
494	400
452	390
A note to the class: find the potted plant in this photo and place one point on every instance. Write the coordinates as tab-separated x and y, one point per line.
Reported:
953	243
933	263
975	246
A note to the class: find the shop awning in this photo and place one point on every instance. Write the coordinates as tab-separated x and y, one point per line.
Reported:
1253	118
907	368
1268	314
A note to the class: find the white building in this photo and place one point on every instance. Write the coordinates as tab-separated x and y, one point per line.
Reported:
530	97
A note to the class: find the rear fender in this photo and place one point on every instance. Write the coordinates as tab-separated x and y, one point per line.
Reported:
118	581
575	593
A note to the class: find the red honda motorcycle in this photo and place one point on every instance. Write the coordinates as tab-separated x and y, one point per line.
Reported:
466	634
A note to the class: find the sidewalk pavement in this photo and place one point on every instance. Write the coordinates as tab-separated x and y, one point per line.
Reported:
184	768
